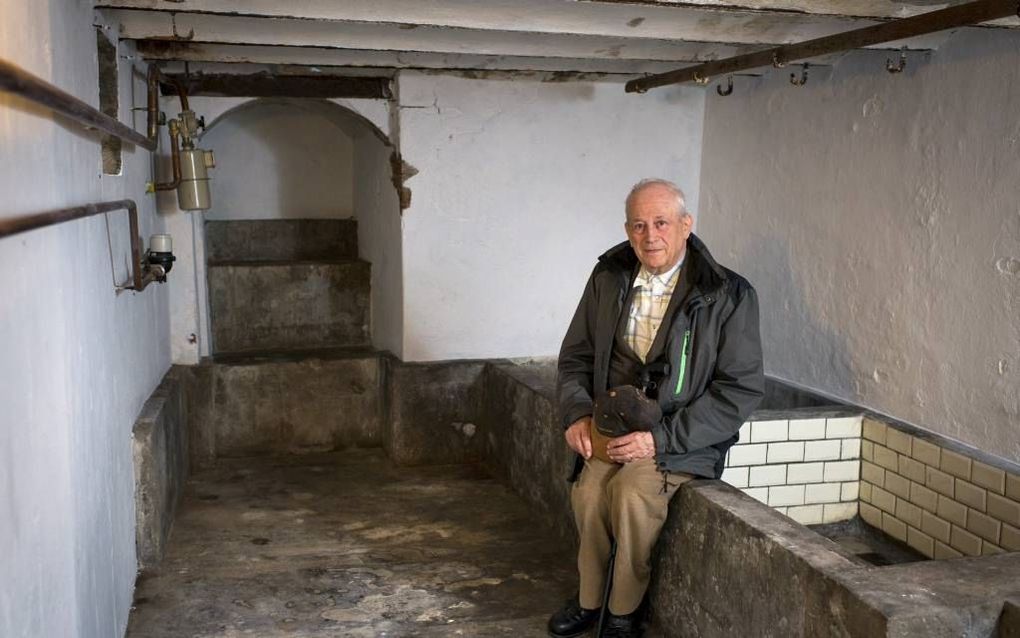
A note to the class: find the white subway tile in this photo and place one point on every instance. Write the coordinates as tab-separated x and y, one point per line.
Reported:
843	428
786	452
851	449
806	514
801	429
745	432
786	495
781	510
747	455
767	475
843	471
835	512
851	491
822	493
758	493
805	473
764	431
821	451
735	476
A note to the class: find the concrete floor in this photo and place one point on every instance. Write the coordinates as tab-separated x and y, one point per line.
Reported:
348	545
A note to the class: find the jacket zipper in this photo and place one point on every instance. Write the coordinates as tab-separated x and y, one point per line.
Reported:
684	352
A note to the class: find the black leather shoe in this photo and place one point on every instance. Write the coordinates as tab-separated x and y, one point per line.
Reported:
572	620
628	626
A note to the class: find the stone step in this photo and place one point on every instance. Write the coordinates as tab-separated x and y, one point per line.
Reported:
281	239
271	305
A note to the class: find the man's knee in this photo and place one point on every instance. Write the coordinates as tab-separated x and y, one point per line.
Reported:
636	498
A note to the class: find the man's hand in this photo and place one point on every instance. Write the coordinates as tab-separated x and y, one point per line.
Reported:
579	436
635	446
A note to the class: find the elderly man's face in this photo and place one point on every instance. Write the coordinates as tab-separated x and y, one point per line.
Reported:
655	230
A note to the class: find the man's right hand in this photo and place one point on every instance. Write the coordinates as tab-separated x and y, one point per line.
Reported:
579	436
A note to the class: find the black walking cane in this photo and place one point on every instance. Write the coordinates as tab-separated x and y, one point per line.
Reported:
604	613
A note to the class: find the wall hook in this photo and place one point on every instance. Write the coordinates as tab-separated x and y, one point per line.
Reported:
899	66
729	87
178	36
802	80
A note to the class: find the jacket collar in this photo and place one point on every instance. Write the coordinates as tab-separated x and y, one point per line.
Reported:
706	275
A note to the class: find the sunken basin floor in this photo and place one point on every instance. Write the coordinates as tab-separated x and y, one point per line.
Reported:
349	545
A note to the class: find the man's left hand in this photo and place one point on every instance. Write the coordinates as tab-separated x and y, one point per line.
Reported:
635	446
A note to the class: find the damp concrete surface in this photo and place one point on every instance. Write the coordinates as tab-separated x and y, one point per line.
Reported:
348	544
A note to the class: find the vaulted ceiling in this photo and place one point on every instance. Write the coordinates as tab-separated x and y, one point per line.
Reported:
602	36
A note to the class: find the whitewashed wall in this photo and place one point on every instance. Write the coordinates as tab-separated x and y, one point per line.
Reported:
878	217
78	360
521	187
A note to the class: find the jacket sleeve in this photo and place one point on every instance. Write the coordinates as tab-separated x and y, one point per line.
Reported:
736	388
576	367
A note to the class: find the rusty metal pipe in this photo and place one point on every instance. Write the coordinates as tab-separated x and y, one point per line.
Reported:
14	79
175	161
931	22
140	276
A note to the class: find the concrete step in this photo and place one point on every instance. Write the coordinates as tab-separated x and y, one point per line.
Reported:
281	239
273	305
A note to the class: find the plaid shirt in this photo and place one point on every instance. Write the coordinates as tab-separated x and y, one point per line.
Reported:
650	302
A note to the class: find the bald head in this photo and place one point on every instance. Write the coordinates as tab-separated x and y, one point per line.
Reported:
657	187
658	224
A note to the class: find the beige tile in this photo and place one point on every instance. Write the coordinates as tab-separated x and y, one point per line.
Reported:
865	491
897	485
886	458
939	481
872	473
964	541
1010	538
971	495
925	452
868	450
871	515
898	441
1005	509
955	464
894	527
988	549
921	542
944	551
874	431
913	470
834	512
952	511
1013	486
908	513
923	497
850	491
983	525
935	526
988	477
883	500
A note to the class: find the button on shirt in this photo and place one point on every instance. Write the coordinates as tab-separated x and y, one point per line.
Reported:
649	306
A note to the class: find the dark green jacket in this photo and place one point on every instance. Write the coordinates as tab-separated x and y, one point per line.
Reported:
713	348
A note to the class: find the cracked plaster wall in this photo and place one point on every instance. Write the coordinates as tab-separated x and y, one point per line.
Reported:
77	359
878	217
520	187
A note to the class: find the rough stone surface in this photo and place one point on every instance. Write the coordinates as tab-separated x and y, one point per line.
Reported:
280	404
1009	621
350	545
432	412
280	305
281	240
160	451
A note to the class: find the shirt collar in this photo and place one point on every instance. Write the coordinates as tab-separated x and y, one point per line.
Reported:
646	278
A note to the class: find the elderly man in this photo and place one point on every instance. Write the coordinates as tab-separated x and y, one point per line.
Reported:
661	315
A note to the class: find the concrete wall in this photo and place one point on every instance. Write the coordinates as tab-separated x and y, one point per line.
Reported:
521	187
78	358
877	215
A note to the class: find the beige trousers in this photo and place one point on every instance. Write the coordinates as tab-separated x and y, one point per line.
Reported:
626	502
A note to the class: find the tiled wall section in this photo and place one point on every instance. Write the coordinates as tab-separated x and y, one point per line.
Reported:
808	469
942	503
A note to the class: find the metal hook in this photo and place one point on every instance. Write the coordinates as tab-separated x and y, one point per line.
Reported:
729	87
777	60
701	79
178	36
802	80
898	67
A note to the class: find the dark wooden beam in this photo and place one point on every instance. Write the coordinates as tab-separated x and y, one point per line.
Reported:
265	84
931	22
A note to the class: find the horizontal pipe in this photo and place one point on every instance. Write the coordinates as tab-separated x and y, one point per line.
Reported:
931	22
14	79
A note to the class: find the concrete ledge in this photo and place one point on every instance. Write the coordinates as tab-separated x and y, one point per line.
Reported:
160	450
281	239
